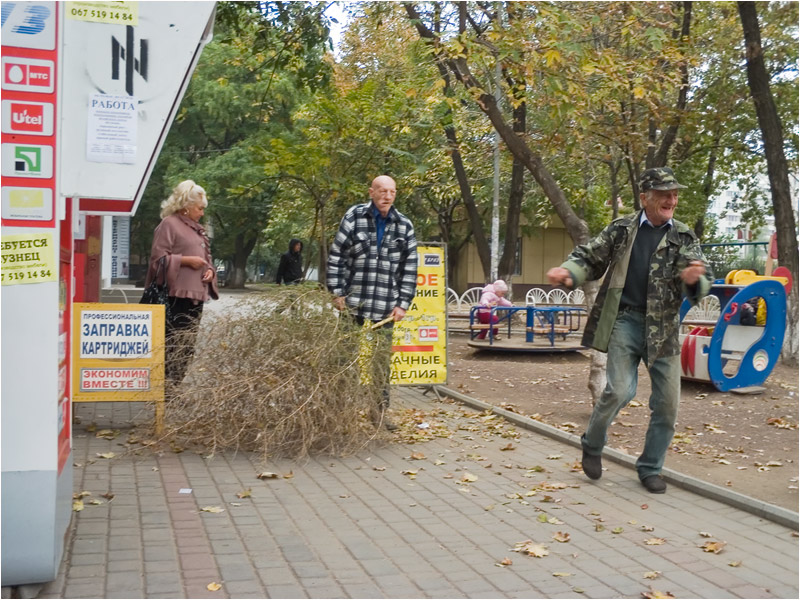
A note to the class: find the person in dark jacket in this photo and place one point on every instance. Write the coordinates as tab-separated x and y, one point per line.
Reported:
290	269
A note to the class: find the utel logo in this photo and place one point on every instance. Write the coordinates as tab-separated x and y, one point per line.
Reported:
27	117
33	118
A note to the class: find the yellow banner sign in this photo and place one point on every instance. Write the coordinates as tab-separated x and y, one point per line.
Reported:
419	341
118	352
28	258
124	13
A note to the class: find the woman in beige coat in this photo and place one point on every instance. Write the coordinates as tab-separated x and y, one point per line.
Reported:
191	277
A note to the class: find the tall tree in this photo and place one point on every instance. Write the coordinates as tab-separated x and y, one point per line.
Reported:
777	167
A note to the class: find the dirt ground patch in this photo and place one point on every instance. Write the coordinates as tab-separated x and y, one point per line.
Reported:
746	443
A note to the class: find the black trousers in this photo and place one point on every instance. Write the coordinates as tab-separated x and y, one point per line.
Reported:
180	337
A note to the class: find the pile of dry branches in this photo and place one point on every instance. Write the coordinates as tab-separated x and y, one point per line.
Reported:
279	374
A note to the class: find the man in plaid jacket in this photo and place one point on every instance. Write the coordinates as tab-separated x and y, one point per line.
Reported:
372	265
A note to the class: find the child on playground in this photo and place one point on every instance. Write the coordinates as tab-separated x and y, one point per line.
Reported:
493	295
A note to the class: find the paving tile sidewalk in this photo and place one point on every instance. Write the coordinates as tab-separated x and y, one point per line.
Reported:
360	528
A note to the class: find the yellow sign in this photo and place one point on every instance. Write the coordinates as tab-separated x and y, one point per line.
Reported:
117	352
419	341
28	258
124	13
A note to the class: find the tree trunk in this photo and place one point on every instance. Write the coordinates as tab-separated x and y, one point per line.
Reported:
772	135
506	266
241	251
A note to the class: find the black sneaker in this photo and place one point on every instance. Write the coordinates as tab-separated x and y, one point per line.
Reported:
654	484
592	465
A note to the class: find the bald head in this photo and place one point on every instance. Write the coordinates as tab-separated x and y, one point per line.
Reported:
383	191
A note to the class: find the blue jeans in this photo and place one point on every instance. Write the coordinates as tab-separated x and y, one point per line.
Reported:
627	346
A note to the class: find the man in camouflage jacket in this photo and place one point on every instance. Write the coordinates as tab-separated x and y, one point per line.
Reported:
650	261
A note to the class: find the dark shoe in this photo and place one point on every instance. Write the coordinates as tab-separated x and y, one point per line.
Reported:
592	465
654	484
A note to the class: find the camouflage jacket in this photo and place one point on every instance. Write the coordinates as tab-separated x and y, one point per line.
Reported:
609	253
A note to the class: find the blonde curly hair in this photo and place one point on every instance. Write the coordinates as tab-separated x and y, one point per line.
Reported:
185	194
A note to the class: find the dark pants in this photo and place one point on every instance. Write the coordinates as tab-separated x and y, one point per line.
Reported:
382	371
180	336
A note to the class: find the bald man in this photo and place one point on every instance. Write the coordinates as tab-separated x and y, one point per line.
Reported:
372	265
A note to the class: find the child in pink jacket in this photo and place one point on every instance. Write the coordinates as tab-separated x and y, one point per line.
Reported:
493	295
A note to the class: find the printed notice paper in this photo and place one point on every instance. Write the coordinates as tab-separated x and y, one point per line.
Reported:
111	129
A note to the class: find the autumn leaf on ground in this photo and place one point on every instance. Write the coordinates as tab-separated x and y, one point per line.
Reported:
288	475
531	548
559	574
576	467
108	434
92	427
248	493
377	468
439	463
108	496
781	423
507	447
652	574
705	534
554	521
106	455
599	527
469	478
655	541
735	563
418	456
409	473
648	528
554	457
715	547
561	536
652	593
212	509
213	586
95	502
506	562
77	505
79	495
617	530
267	475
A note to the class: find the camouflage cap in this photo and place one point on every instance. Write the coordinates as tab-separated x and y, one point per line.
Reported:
661	178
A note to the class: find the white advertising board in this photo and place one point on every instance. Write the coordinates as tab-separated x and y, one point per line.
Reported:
151	63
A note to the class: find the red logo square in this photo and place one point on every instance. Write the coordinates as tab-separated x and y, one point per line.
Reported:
27	117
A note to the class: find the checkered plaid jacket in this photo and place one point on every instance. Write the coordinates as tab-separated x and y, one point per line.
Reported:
373	280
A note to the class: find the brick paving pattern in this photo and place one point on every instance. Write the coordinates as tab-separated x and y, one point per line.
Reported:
359	528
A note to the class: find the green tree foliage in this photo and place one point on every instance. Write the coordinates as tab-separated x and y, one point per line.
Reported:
265	57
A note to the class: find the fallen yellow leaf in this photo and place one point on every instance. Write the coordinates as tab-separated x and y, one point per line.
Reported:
652	574
656	594
531	548
106	455
418	456
561	536
655	541
213	586
212	509
715	547
267	475
559	574
469	478
248	493
77	505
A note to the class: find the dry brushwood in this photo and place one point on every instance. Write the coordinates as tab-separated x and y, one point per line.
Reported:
279	374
